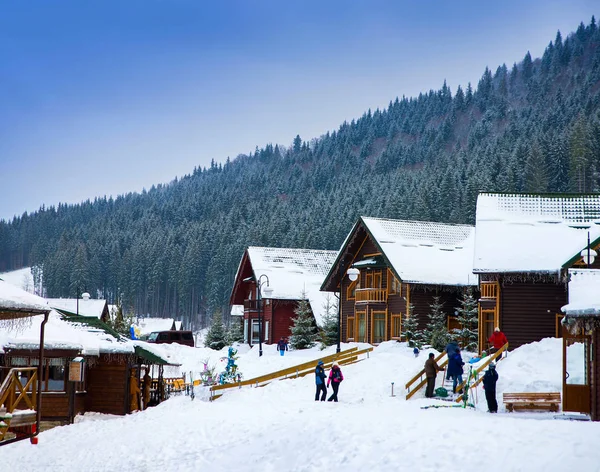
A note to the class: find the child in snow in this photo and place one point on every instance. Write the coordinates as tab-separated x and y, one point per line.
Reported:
489	385
320	381
282	346
416	351
335	379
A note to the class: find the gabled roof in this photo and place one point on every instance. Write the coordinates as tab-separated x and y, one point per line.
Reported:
85	307
421	252
15	302
533	233
291	272
584	293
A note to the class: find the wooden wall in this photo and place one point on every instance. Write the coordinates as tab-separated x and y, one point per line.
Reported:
595	377
55	406
528	310
107	387
422	297
281	320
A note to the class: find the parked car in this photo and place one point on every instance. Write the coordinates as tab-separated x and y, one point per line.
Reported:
168	337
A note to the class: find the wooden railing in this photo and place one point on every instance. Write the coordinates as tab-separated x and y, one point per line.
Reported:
13	392
478	378
348	356
250	305
371	295
489	290
420	380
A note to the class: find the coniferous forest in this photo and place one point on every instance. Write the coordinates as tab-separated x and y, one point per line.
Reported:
173	250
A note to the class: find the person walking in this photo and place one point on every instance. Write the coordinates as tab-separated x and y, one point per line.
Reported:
450	349
455	370
320	381
431	370
497	340
282	346
489	385
335	379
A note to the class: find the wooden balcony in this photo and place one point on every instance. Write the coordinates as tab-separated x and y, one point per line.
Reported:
371	295
489	290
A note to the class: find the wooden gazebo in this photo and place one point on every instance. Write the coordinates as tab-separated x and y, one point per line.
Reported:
20	404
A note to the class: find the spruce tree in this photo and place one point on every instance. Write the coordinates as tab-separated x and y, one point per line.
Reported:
215	337
329	331
436	333
235	330
411	330
304	333
467	335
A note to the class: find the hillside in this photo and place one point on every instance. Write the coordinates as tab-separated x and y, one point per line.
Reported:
174	250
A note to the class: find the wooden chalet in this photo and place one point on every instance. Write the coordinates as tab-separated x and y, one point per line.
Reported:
581	344
84	306
401	264
524	245
87	366
288	273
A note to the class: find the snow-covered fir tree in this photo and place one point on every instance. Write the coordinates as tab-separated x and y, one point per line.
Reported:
304	333
216	336
410	328
436	333
235	330
467	335
329	331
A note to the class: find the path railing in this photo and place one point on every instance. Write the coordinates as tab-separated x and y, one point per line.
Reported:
349	356
418	381
14	394
497	356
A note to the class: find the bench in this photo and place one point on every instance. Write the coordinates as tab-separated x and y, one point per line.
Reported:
532	401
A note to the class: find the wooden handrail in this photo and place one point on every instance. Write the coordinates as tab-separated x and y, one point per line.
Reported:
9	398
479	378
371	295
419	376
295	371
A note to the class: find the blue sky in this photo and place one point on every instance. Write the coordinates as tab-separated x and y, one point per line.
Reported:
104	97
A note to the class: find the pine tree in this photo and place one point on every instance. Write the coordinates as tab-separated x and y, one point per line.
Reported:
436	333
304	334
410	328
215	337
329	331
467	335
235	331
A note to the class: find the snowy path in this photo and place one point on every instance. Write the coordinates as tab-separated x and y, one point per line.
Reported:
279	427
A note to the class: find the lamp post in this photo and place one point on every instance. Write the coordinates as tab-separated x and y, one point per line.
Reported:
268	290
353	274
588	254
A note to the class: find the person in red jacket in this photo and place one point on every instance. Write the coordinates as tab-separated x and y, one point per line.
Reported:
497	340
335	379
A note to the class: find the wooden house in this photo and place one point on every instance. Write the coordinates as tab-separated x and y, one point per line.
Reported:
524	244
87	366
289	274
581	344
20	389
84	306
401	264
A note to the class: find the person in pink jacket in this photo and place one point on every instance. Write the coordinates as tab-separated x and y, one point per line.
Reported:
335	379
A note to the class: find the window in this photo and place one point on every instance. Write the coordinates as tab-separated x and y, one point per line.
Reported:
396	326
378	335
187	336
153	337
245	331
361	327
255	336
175	336
351	292
53	372
350	329
266	331
163	336
394	285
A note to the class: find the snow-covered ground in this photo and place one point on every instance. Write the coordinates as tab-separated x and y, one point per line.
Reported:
280	427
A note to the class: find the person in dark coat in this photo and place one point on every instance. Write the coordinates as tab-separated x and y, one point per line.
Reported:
335	379
489	385
455	369
320	381
431	370
450	349
282	346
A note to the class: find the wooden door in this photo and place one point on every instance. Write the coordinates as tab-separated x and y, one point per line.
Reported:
361	326
576	373
487	323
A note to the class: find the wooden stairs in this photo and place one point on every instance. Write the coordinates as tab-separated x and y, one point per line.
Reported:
18	405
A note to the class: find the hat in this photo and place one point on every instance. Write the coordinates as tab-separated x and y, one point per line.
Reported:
335	364
320	363
496	329
492	365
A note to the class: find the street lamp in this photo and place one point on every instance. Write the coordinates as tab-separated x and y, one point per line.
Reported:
353	274
268	290
588	254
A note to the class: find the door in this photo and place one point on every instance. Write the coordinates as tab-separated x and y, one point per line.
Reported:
487	323
378	329
361	326
576	373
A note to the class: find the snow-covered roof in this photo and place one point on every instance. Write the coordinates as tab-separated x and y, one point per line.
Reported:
85	307
584	293
59	333
293	271
426	252
532	233
149	325
237	310
14	298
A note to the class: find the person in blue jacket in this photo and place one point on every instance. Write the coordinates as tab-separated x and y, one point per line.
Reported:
320	381
282	346
455	369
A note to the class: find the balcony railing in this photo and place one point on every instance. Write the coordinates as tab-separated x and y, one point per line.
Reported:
489	290
365	295
250	305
